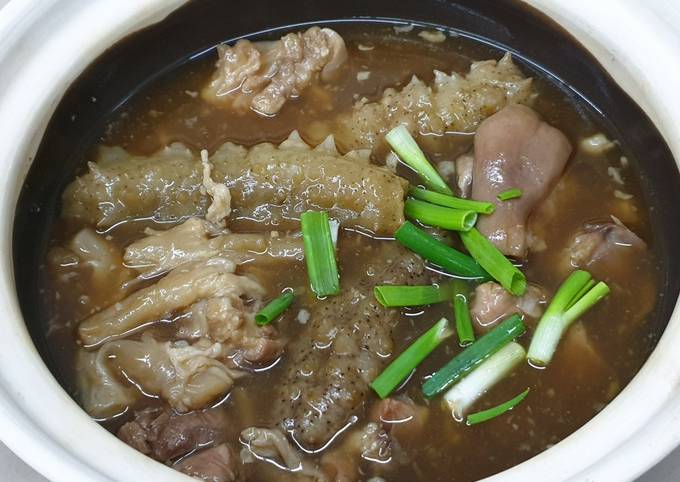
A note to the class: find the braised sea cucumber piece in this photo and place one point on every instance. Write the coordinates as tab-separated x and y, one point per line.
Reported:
267	183
452	103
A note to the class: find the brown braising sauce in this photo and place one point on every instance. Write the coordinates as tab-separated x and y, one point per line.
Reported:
562	398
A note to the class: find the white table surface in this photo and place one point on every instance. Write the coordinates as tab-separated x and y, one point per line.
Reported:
15	470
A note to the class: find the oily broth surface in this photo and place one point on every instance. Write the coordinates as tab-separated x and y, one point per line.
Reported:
563	397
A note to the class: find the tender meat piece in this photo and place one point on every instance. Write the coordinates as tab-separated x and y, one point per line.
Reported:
188	377
453	103
101	391
343	348
101	256
376	445
394	422
464	169
133	434
272	445
579	362
607	250
371	443
215	303
88	274
614	254
491	303
259	345
162	251
181	288
215	464
262	76
198	240
267	183
515	149
227	320
166	435
220	207
401	417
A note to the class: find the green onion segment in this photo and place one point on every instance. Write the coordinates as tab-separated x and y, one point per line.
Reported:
274	308
322	267
400	368
464	362
433	197
577	294
440	216
513	193
461	311
467	391
451	260
486	415
494	262
407	149
391	296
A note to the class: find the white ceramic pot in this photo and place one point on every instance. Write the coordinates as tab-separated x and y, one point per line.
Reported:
45	44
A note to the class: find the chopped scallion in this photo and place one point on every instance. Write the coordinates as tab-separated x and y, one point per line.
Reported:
488	414
433	197
513	193
451	260
392	296
461	311
274	308
577	294
322	268
334	225
440	216
407	149
494	262
397	371
491	371
473	355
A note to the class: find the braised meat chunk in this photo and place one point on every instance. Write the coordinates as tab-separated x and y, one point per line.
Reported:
262	76
515	149
167	435
491	303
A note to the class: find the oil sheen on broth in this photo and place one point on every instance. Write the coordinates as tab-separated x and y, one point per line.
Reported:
590	367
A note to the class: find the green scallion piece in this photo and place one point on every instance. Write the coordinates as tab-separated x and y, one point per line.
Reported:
513	193
400	368
274	308
488	414
322	268
480	207
451	260
461	311
440	216
577	294
405	146
392	296
465	393
494	262
473	355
